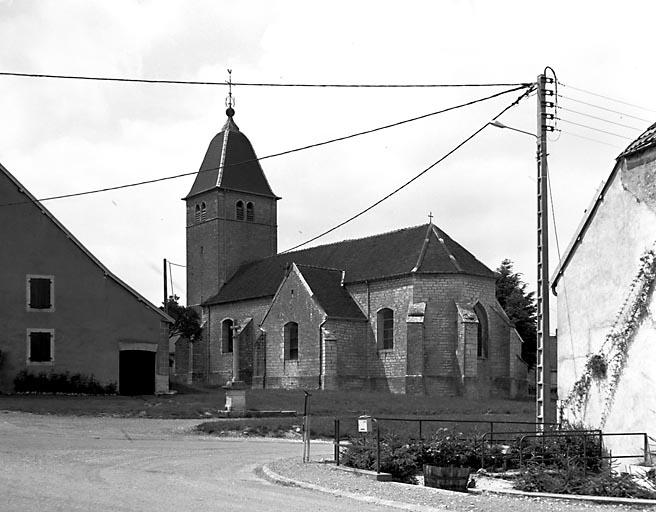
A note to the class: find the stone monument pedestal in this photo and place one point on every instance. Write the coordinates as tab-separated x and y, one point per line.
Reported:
235	396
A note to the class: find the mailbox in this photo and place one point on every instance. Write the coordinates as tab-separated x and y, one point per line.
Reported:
364	424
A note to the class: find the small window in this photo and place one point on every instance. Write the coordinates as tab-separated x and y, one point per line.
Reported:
482	334
226	335
197	216
250	212
385	321
40	293
291	341
203	212
40	346
240	210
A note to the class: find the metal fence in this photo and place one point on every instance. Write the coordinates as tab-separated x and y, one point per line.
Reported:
527	444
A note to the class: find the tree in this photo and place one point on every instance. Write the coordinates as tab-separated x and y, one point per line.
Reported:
519	306
187	322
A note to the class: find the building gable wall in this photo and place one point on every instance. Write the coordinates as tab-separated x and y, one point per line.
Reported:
294	302
92	311
593	287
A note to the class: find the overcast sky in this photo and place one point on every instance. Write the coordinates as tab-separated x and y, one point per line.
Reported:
60	136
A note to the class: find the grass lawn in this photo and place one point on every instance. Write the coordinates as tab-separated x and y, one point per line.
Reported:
325	405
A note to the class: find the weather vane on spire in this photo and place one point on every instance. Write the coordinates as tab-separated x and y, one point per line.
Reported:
230	101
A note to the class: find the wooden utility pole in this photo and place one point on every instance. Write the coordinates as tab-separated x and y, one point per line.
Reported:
166	290
545	409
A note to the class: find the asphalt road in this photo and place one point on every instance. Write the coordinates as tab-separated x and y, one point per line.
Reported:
50	463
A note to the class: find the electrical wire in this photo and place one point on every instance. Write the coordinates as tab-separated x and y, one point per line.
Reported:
600	119
250	84
555	226
176	264
295	150
416	177
604	108
588	138
592	128
607	97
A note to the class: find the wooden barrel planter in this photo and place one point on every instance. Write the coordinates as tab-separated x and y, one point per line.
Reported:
452	478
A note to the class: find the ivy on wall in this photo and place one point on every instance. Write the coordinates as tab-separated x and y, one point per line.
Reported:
606	366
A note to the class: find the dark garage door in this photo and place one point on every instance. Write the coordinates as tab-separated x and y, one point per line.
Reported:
136	372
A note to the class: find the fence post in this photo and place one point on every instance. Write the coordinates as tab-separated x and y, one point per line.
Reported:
421	437
337	441
585	455
377	446
491	432
646	449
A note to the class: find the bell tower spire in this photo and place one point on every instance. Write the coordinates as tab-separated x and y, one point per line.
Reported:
231	211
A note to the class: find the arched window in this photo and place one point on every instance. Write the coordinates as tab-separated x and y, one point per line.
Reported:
482	335
226	335
291	341
240	210
197	216
250	212
385	325
203	211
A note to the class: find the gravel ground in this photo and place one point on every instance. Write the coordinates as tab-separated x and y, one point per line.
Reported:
327	476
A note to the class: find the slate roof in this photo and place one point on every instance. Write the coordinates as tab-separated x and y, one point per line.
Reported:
231	163
326	284
421	249
644	141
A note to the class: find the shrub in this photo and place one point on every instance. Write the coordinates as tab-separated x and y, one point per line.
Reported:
574	480
26	382
401	458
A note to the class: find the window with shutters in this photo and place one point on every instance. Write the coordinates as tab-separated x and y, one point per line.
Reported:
40	346
291	341
385	327
250	212
203	212
240	210
40	291
197	215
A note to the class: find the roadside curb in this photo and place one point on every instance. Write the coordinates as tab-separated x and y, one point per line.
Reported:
279	479
274	477
569	497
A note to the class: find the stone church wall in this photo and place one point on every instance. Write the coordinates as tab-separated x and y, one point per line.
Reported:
218	365
349	364
293	303
386	368
441	292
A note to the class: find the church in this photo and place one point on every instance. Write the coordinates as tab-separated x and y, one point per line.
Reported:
408	311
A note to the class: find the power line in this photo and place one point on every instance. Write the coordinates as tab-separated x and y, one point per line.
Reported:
588	138
250	84
416	177
592	128
604	108
599	118
607	97
302	148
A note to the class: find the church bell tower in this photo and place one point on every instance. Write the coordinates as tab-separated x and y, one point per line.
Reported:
231	213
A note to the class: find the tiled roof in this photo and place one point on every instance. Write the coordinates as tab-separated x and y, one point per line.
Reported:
647	139
419	249
326	284
231	163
